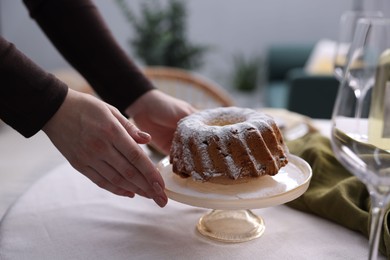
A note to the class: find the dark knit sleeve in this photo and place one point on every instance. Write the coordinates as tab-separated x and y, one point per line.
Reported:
29	96
78	31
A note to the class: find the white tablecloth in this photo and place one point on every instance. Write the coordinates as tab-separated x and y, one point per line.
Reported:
65	216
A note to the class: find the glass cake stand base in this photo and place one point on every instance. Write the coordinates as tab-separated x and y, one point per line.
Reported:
232	226
231	219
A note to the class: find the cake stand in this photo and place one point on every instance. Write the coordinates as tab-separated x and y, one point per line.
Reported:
231	219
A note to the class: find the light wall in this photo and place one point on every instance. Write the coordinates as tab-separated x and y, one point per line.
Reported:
229	26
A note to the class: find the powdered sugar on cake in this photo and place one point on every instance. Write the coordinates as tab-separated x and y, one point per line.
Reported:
227	141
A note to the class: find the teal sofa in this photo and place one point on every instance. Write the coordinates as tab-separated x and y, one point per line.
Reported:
289	86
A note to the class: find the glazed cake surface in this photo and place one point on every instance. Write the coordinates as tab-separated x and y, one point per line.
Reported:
227	143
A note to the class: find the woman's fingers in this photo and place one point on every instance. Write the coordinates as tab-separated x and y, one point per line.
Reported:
139	160
139	136
114	177
124	164
102	182
139	169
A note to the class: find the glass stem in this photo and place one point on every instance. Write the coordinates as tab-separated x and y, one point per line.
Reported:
377	214
360	96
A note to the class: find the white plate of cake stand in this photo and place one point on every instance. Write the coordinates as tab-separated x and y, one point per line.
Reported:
231	219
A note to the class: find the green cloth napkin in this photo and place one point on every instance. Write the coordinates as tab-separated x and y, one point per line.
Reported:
334	193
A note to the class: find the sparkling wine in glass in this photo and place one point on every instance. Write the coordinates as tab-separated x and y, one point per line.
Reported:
360	134
347	27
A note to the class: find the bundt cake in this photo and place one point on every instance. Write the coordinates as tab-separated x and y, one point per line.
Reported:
227	143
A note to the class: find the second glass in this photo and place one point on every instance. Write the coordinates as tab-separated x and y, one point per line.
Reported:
347	29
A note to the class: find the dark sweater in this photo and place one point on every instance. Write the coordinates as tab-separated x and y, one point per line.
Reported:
29	96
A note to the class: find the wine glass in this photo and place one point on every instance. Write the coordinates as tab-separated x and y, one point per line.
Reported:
360	135
347	29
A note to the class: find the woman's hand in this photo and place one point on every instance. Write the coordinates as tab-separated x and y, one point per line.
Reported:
158	113
102	144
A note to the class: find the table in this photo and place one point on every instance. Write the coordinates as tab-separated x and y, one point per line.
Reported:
80	221
22	162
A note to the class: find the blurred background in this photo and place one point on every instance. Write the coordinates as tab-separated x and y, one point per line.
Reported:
235	33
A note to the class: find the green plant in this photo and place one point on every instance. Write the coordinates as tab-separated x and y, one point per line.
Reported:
246	73
160	35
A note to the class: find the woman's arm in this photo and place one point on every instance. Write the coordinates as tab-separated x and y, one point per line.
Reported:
78	31
29	96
